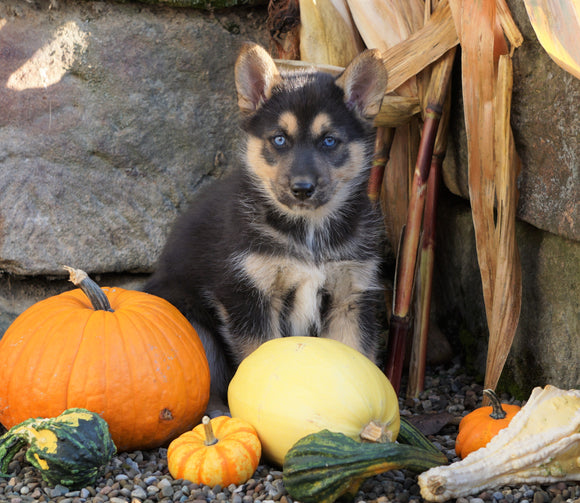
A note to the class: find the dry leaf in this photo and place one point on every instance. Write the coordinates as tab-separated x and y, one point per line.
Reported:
327	33
493	168
557	26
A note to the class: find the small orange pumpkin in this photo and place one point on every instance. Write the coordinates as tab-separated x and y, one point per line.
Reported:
129	356
477	428
222	451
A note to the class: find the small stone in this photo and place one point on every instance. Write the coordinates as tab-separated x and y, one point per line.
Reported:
164	483
167	491
403	497
36	494
139	492
58	491
152	490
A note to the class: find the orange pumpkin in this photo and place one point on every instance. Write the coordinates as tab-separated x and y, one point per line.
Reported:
477	428
129	356
222	451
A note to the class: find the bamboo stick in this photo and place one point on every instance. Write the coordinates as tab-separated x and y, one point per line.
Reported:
424	284
400	319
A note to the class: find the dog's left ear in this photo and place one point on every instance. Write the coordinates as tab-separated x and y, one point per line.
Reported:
364	82
256	75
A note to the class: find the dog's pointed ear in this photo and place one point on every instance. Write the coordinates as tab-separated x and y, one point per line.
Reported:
256	74
364	82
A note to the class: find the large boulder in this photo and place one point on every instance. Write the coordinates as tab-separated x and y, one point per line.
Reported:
112	116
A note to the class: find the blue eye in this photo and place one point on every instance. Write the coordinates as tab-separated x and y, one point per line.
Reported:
279	140
329	141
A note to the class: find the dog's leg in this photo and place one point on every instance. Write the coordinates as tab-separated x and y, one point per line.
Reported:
351	312
305	315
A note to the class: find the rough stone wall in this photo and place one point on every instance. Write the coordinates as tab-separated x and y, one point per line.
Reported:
112	116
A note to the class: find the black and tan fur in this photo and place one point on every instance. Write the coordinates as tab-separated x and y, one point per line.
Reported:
287	244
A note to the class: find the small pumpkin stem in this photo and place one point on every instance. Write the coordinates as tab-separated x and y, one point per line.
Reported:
209	435
377	433
497	412
96	295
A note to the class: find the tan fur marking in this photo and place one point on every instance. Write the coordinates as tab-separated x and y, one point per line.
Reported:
275	277
347	281
289	123
257	163
355	165
320	125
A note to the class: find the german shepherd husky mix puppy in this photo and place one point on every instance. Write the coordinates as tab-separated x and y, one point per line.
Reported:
287	245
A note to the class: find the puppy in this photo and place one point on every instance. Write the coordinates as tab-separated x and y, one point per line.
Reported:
287	245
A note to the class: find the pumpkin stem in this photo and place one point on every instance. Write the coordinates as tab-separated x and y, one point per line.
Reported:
209	435
96	295
497	412
377	433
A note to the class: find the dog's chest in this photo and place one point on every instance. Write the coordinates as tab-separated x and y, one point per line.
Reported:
296	289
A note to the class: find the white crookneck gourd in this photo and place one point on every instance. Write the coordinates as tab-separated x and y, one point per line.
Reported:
541	445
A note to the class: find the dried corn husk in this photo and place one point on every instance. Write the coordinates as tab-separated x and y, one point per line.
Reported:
541	445
422	48
557	26
493	167
327	33
385	23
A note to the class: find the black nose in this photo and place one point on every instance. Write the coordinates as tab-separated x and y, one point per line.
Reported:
302	189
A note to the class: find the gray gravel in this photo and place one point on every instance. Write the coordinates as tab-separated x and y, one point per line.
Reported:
142	477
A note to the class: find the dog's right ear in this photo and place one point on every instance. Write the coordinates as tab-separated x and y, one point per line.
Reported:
256	74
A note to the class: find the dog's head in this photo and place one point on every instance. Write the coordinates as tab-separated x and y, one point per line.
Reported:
308	132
